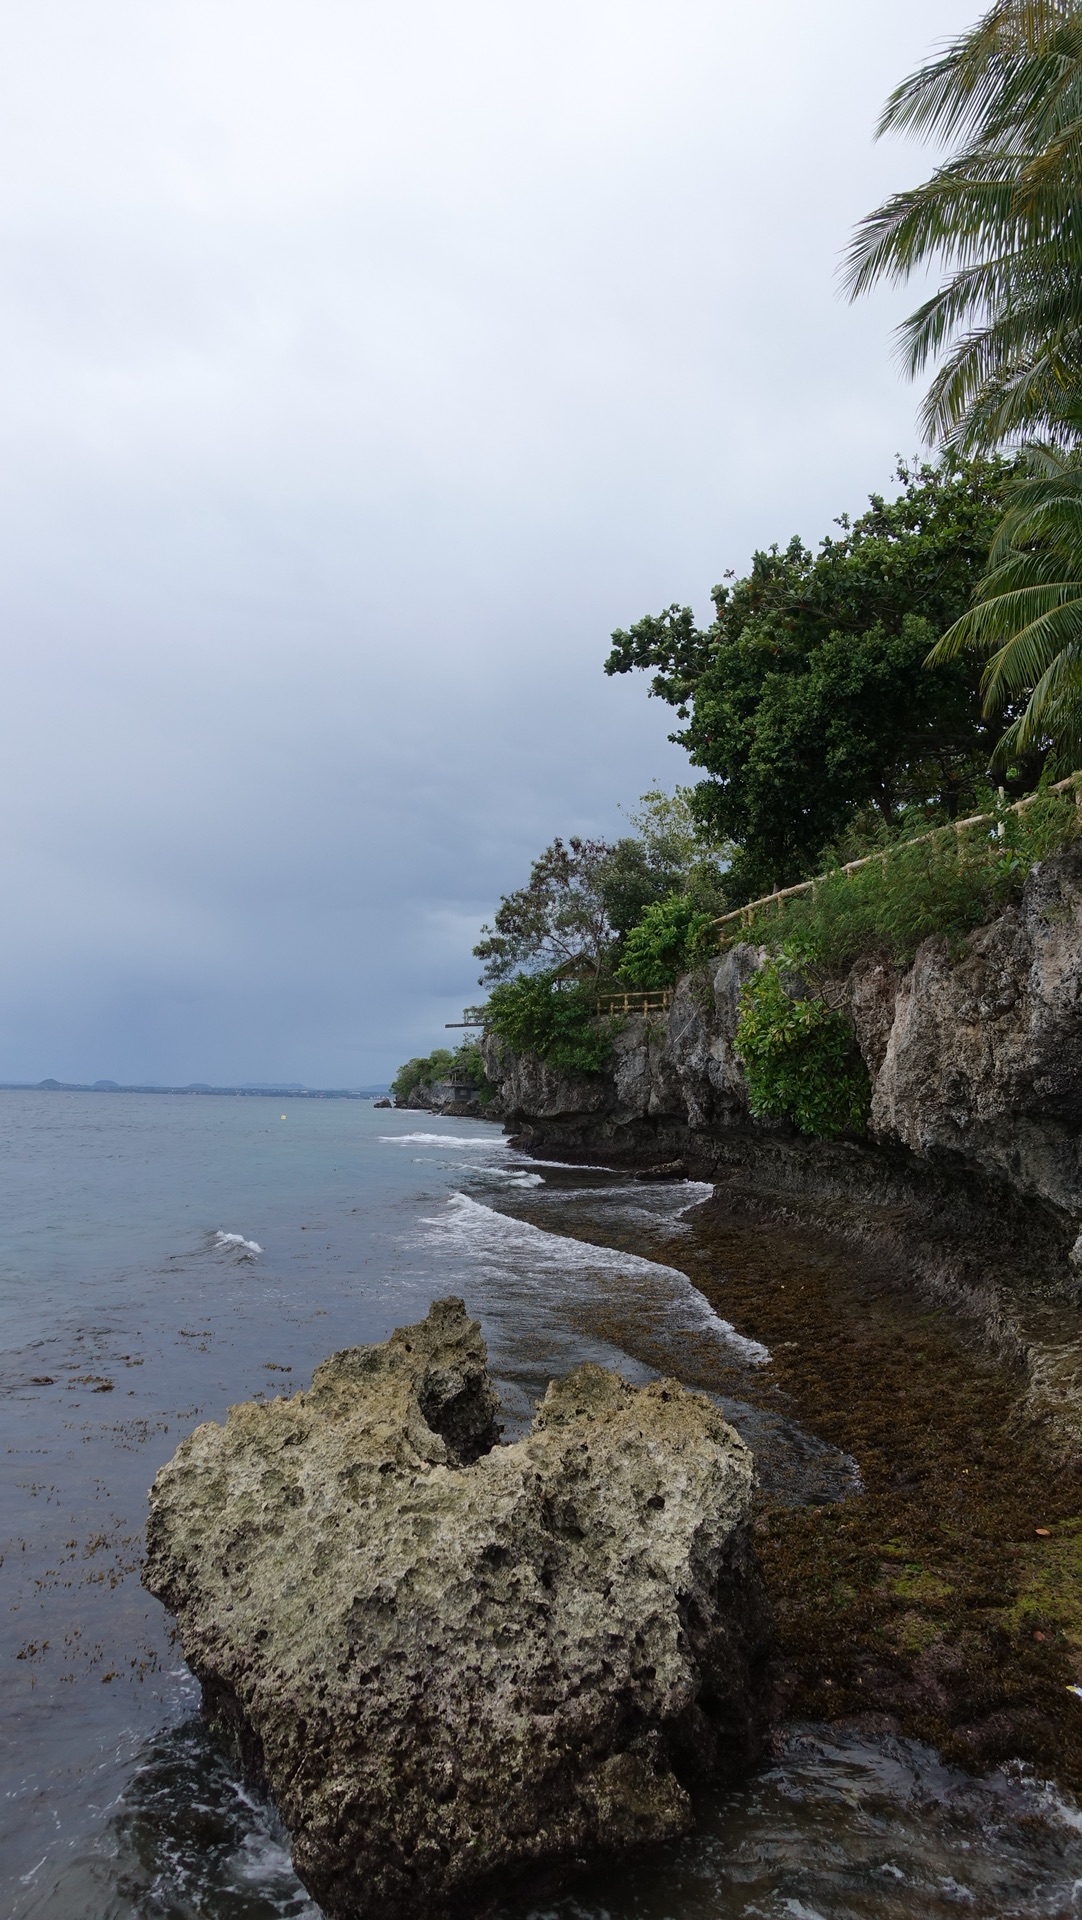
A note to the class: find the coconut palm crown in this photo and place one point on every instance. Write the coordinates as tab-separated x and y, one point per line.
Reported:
1004	215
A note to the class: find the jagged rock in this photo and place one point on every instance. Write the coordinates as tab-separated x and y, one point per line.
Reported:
451	1097
682	1065
464	1667
984	1056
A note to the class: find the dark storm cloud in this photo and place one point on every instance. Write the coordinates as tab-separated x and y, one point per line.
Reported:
364	366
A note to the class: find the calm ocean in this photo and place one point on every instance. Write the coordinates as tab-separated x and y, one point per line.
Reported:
162	1256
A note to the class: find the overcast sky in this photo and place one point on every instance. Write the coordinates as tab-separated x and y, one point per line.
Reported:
364	363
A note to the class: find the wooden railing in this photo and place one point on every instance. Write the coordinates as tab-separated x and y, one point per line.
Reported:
659	1000
744	914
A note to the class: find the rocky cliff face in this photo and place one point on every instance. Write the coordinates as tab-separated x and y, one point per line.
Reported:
983	1057
975	1059
464	1667
450	1097
972	1168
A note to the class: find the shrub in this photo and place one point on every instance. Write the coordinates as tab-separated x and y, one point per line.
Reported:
665	943
558	1023
800	1059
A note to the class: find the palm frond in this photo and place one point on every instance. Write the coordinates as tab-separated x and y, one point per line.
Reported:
1003	216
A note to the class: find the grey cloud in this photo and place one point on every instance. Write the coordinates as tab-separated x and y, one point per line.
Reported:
363	366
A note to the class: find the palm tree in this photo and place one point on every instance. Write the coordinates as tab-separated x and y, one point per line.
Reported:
1027	611
1004	214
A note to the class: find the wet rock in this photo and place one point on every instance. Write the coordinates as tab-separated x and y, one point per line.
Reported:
454	1098
664	1170
464	1668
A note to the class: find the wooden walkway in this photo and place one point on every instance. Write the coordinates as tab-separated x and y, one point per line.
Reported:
743	914
659	1000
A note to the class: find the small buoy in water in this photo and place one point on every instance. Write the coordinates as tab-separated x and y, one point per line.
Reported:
283	1116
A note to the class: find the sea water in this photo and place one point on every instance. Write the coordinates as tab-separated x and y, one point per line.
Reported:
162	1256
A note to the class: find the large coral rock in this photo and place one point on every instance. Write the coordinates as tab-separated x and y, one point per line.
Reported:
464	1667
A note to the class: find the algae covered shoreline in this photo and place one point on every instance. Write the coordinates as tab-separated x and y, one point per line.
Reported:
947	1592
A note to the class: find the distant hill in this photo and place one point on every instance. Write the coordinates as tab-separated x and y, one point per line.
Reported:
255	1089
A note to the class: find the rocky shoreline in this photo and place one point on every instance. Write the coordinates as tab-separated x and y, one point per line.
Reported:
969	1181
585	1637
947	1592
920	1292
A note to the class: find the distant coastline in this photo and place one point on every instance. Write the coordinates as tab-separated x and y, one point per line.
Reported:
255	1091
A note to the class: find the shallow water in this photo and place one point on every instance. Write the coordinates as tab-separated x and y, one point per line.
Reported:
162	1256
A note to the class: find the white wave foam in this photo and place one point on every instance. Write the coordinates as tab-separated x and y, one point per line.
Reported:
236	1240
517	1176
493	1237
570	1166
443	1140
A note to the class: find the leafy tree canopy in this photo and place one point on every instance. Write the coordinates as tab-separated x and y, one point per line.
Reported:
583	898
558	919
422	1071
540	1014
808	698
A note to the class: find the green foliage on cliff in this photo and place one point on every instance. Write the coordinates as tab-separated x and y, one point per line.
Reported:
671	937
537	1014
425	1070
808	696
468	1061
800	1059
422	1071
946	884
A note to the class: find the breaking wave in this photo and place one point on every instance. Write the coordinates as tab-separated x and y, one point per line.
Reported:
237	1240
445	1140
531	1257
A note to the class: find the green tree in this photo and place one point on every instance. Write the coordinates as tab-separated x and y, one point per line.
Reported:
1003	216
559	918
582	899
632	882
807	698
